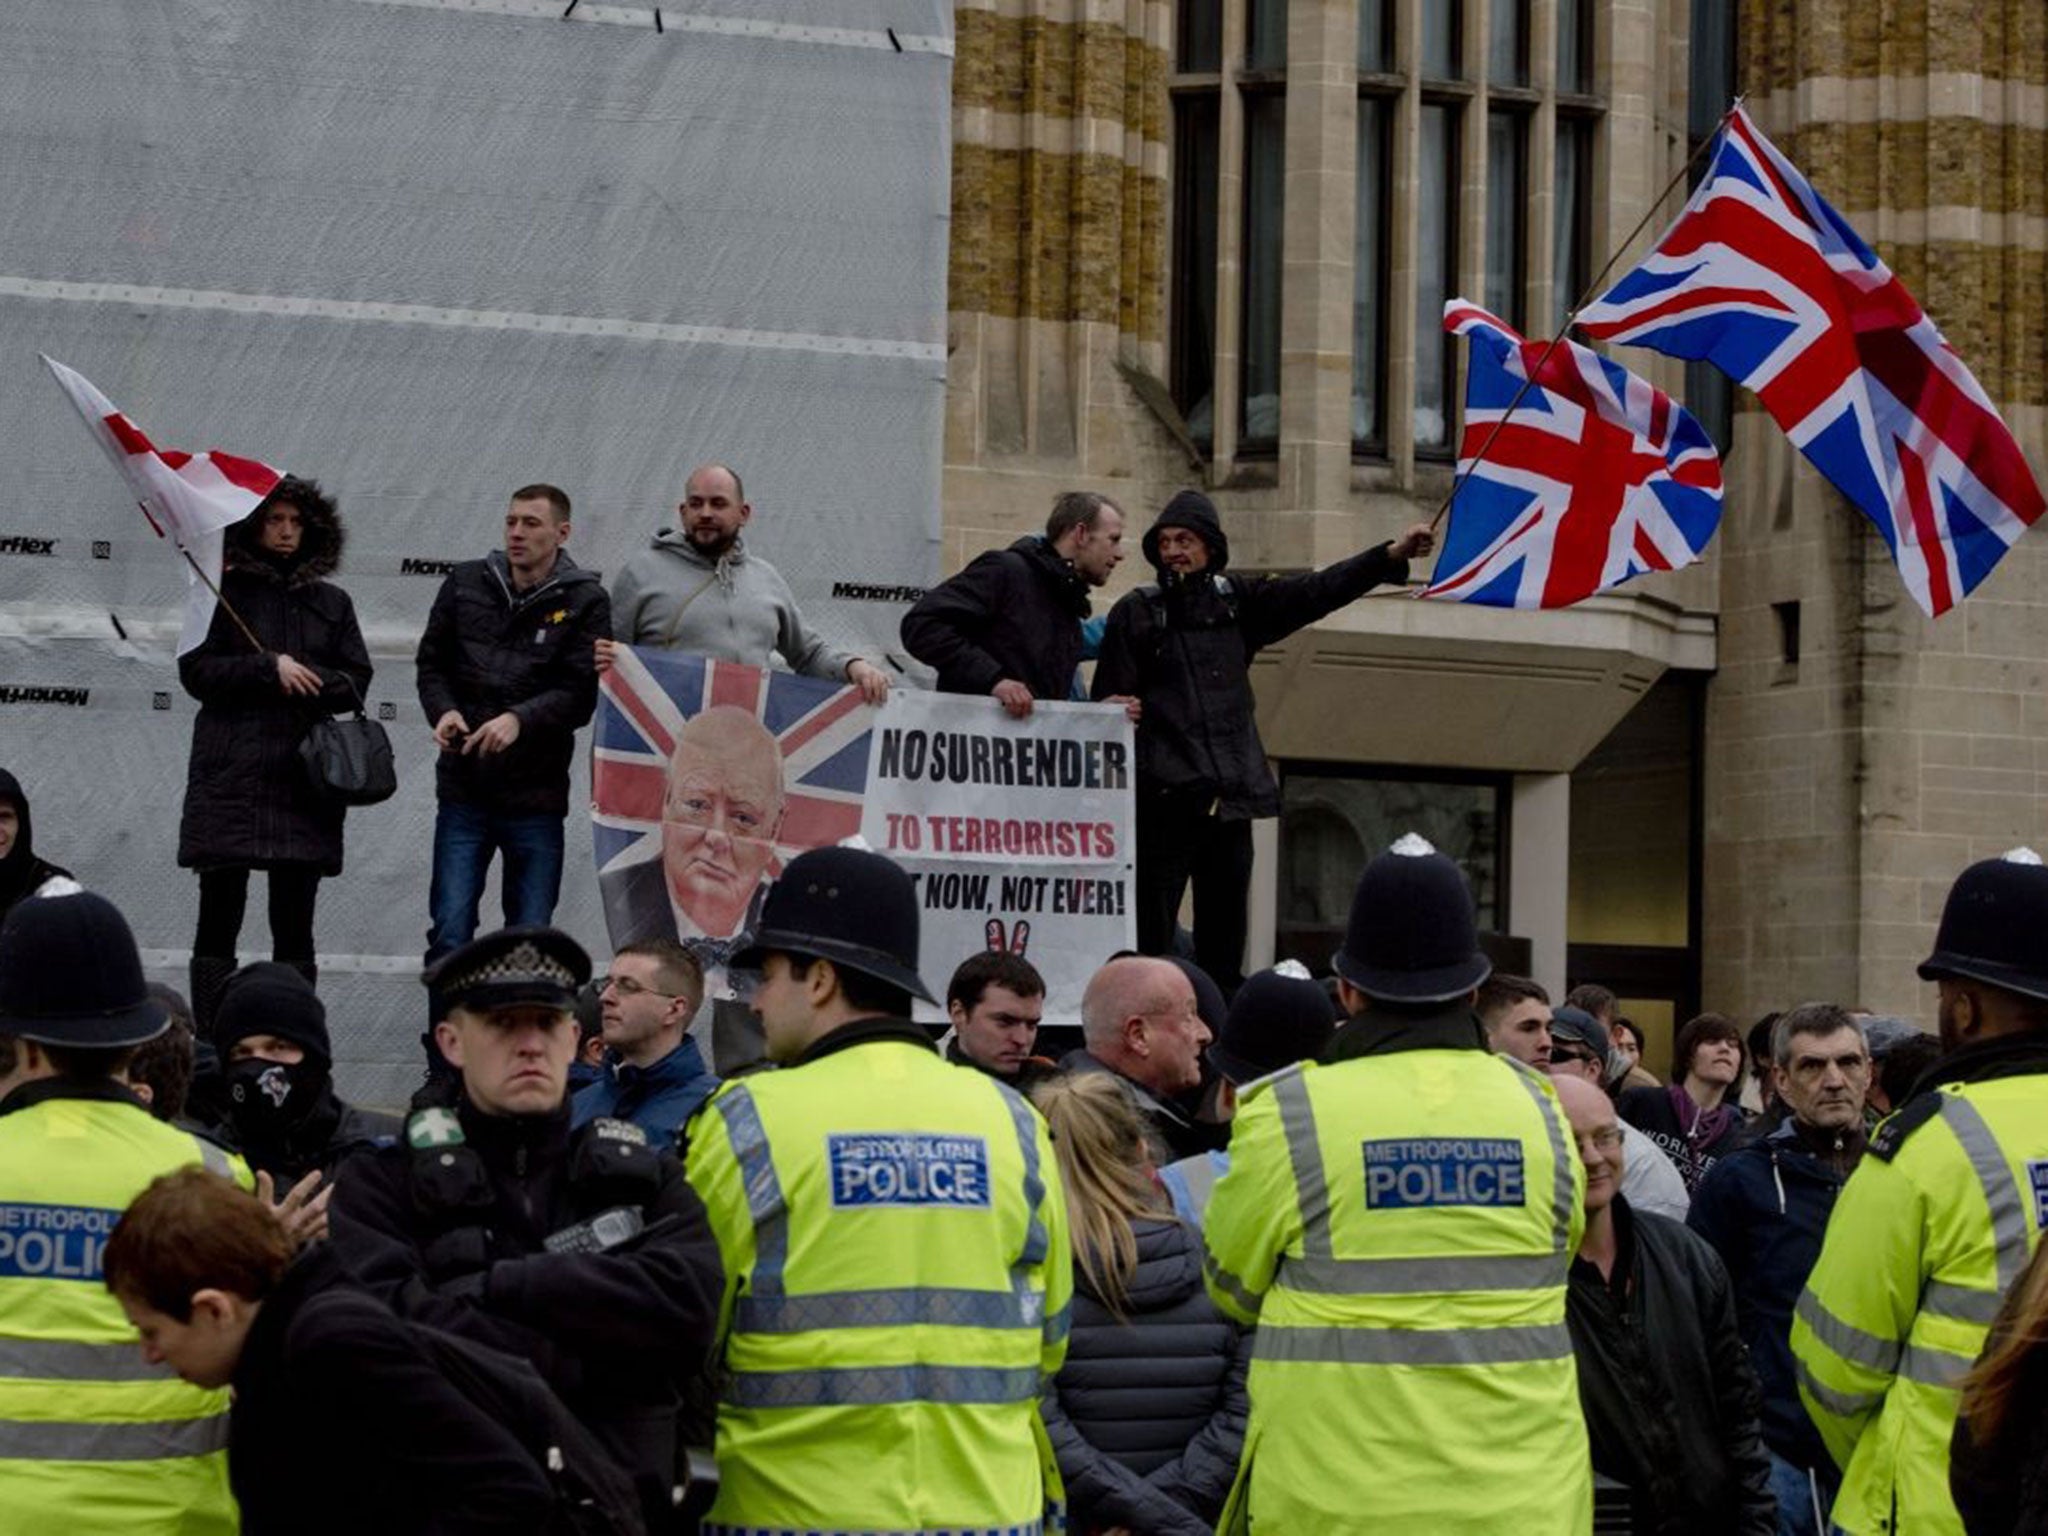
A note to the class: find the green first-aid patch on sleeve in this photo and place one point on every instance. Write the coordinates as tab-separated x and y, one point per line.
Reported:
430	1128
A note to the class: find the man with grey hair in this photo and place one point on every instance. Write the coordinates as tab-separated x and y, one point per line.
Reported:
1765	1208
1139	1023
1009	625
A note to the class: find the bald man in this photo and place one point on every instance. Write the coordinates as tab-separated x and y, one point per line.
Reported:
720	814
1139	1023
697	588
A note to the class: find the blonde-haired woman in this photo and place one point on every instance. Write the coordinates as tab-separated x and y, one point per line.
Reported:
1998	1463
1148	1414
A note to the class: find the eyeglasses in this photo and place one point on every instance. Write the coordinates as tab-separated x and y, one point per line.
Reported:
1563	1053
1606	1139
626	986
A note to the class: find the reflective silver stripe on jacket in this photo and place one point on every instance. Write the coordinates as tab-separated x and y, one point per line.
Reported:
764	1191
69	1360
2001	1193
1025	1119
1229	1284
906	1307
1298	1124
214	1159
1511	1345
1845	1405
1029	1528
1933	1367
1560	1156
1410	1277
878	1386
156	1440
1847	1340
1960	1303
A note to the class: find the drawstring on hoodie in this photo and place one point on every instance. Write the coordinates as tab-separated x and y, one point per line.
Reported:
1778	1179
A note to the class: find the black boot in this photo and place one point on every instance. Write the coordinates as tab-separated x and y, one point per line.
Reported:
307	969
210	975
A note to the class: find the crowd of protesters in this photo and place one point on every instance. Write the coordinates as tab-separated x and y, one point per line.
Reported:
1410	1248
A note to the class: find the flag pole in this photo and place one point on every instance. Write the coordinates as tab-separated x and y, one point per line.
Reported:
228	607
1572	315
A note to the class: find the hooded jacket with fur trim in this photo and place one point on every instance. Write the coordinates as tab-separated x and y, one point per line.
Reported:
248	801
1184	646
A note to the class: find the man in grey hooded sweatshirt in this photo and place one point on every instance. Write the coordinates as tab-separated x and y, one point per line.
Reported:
696	588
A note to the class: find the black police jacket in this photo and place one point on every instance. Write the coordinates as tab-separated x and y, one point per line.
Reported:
341	1426
1185	646
619	1334
1669	1396
488	649
1013	613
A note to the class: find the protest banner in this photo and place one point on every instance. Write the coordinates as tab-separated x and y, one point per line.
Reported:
707	776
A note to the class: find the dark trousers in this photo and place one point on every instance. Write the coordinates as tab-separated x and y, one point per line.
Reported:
1180	840
465	837
224	897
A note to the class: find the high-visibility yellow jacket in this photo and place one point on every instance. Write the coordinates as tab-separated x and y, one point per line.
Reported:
93	1441
1400	1227
895	1241
1927	1236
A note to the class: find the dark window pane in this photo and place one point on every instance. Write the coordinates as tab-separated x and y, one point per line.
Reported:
1331	826
1265	129
1194	262
1440	39
1574	46
1201	36
1266	35
1507	198
1369	278
1572	232
1375	36
1436	271
1507	42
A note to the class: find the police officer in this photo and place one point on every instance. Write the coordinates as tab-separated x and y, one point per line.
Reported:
894	1236
586	1254
1939	1218
1399	1222
91	1441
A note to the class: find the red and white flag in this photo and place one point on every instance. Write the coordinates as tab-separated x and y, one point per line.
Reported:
188	498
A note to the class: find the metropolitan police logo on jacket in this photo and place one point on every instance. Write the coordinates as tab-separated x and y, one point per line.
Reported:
908	1168
1408	1174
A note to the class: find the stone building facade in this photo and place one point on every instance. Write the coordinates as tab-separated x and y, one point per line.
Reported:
1204	242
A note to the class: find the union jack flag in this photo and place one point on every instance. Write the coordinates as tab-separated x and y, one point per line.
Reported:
1761	278
821	729
1594	477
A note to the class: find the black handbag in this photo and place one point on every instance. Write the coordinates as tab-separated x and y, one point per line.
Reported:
349	761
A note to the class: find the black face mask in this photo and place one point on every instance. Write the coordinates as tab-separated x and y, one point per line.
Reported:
266	1099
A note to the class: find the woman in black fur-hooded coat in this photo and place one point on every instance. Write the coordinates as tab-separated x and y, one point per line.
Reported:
248	801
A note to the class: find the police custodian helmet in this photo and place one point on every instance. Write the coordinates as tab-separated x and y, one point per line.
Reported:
847	905
1412	937
70	975
1993	926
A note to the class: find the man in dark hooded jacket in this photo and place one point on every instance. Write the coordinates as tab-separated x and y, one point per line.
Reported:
1010	623
1183	648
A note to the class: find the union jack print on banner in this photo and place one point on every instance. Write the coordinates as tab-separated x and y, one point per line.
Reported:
189	497
820	727
1760	277
1595	477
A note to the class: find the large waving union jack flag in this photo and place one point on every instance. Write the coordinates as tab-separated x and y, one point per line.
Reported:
819	728
1592	478
1760	277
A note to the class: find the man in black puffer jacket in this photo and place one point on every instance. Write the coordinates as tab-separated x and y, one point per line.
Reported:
1010	623
507	676
1183	648
1671	1402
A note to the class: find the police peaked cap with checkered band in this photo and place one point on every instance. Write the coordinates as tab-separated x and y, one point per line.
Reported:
847	905
513	965
1993	926
1413	936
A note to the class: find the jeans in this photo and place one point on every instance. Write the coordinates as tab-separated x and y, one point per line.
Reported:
1795	1499
465	837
